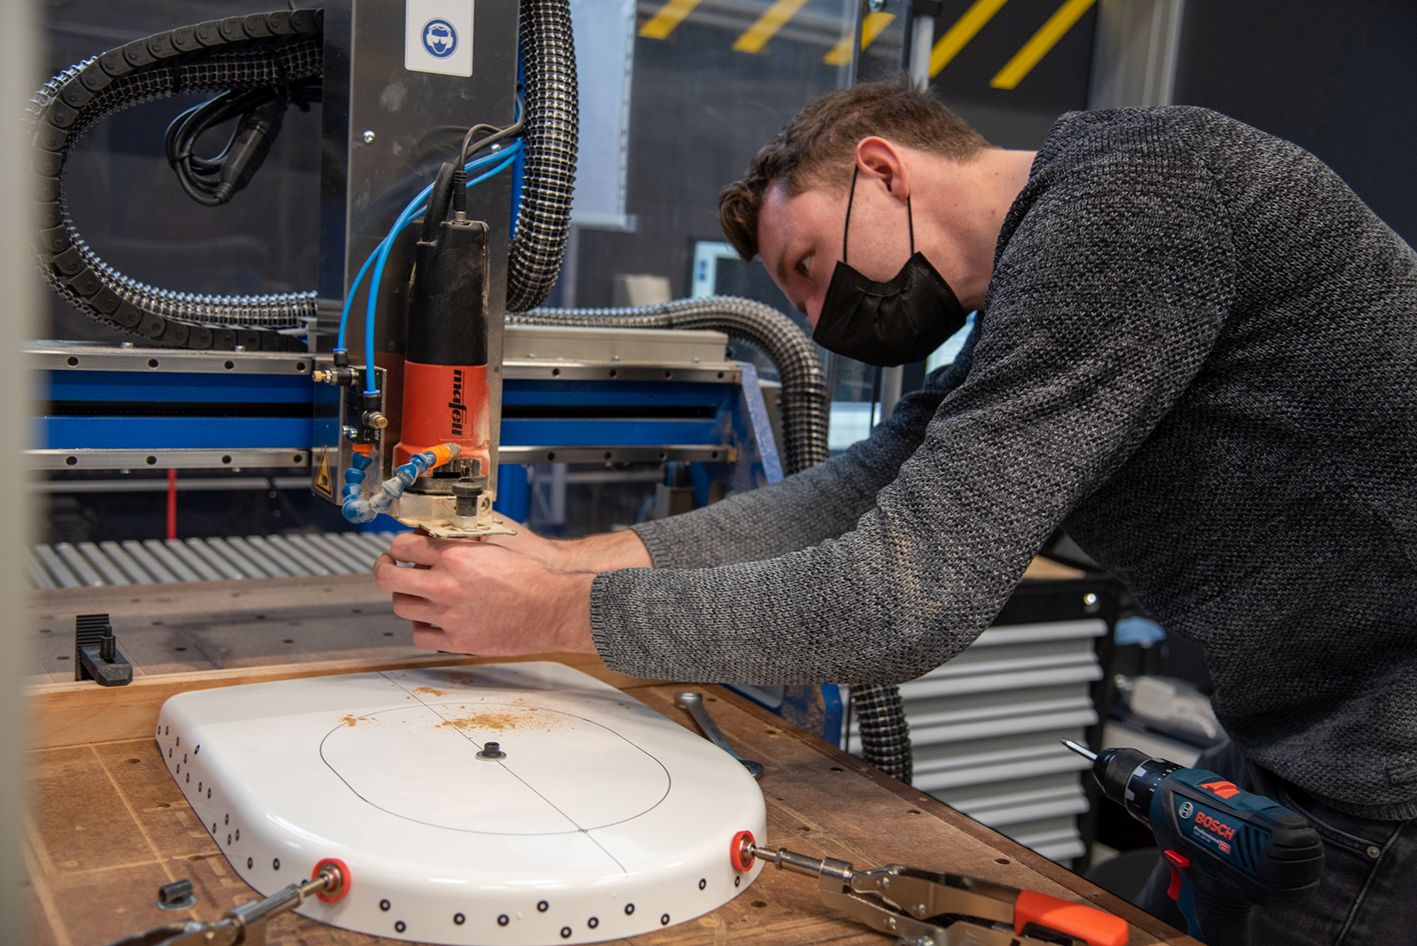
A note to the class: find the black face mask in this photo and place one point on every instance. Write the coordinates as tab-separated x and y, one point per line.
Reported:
887	323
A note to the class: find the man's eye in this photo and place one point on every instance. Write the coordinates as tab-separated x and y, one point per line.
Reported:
804	266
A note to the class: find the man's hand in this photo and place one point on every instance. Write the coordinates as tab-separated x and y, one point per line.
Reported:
604	552
473	597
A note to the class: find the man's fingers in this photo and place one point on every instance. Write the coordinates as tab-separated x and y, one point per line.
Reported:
429	637
415	548
410	581
415	608
432	637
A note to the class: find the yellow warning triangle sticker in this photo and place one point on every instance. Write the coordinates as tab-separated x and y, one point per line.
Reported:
323	482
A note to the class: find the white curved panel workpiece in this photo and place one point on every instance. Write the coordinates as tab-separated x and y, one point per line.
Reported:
603	819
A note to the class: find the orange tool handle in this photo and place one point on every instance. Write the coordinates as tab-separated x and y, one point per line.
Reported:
1073	919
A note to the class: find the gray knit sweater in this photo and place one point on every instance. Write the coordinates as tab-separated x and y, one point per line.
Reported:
1198	354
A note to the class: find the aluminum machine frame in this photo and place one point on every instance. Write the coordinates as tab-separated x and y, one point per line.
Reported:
552	395
571	395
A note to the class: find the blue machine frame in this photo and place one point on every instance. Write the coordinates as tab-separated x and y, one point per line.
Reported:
129	409
98	418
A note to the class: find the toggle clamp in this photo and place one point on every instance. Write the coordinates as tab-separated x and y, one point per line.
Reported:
245	923
924	908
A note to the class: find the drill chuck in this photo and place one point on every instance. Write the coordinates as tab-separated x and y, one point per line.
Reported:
1120	774
1131	778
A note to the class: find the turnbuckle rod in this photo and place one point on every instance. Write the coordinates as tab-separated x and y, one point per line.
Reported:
327	880
800	863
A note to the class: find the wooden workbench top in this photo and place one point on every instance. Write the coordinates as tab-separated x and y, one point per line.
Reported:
108	825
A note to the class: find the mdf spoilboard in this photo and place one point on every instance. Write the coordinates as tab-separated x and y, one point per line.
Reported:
595	817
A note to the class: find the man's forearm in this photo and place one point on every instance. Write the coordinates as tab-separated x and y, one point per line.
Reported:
603	552
820	503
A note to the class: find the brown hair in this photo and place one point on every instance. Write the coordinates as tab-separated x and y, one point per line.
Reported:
817	147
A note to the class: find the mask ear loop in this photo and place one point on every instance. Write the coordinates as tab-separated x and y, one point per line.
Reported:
910	225
850	196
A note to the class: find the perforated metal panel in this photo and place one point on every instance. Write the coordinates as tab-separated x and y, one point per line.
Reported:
985	730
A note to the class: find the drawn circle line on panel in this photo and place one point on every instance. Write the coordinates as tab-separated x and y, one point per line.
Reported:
343	728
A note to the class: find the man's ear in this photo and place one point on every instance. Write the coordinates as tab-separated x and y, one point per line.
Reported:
879	160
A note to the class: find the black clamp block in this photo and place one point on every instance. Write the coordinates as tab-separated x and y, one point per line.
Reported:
96	655
177	895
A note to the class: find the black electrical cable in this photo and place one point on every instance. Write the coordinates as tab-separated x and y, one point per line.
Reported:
467	139
212	181
439	199
470	148
449	188
448	195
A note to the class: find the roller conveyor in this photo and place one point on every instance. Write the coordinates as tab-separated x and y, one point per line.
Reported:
104	564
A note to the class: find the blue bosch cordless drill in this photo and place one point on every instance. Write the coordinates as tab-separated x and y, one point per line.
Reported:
1254	848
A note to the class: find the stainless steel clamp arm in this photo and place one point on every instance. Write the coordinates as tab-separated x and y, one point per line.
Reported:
245	923
925	908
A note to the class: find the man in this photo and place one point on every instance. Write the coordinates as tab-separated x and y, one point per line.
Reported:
1197	351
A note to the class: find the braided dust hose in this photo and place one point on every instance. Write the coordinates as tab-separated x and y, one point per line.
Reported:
549	175
885	734
804	412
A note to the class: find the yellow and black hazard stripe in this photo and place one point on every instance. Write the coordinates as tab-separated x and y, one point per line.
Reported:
753	40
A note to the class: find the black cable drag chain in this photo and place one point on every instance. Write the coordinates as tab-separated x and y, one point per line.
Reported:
259	50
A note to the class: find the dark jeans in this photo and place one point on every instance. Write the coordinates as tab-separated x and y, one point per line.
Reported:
1366	895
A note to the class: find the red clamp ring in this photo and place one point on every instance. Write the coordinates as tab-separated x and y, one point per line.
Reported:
740	860
336	895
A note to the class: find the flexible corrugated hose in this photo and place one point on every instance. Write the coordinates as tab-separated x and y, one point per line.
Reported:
804	392
552	132
885	733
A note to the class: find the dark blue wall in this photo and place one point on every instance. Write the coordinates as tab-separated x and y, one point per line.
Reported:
1339	79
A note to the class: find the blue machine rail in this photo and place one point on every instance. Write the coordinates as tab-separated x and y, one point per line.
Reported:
154	412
